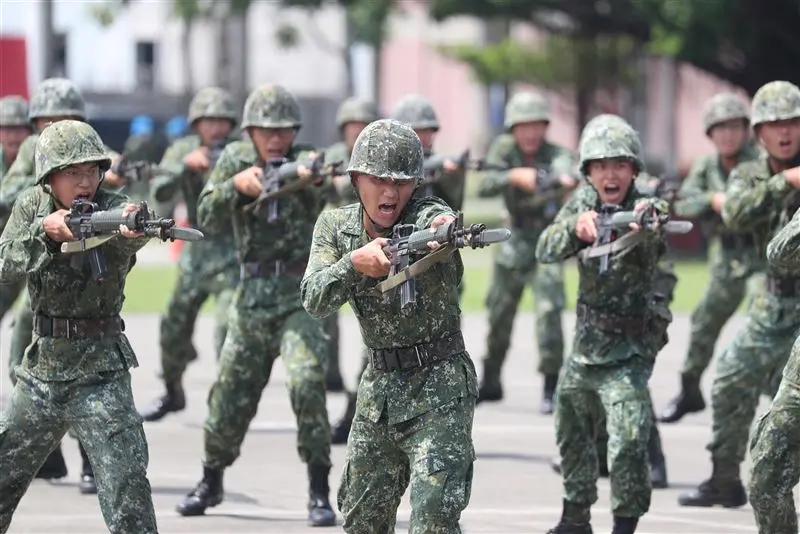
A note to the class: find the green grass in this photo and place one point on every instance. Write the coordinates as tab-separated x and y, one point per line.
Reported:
148	288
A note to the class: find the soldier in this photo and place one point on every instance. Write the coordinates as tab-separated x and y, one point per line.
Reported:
620	330
760	198
55	99
266	317
411	426
141	146
75	375
733	258
526	153
14	129
352	117
207	267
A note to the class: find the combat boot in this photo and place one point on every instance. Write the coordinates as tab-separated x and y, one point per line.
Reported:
602	466
334	385
87	486
54	466
658	464
320	513
625	525
490	390
574	520
207	494
724	488
173	400
550	383
689	400
341	429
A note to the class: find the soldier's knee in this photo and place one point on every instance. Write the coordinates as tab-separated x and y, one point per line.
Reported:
445	493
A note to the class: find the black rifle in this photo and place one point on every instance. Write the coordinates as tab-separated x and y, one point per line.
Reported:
91	228
133	171
407	239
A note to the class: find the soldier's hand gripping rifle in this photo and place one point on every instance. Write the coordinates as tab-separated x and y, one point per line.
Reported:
215	151
281	177
92	228
611	220
407	239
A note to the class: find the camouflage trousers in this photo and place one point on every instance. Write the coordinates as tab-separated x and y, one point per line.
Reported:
775	453
746	368
99	408
617	396
255	340
331	323
434	452
547	281
22	334
8	295
727	287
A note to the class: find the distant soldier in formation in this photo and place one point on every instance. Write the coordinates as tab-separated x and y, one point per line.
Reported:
14	129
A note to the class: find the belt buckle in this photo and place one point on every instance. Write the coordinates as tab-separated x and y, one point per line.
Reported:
67	328
243	272
278	268
418	355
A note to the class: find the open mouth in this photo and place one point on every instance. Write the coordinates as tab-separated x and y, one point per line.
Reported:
785	143
387	209
82	196
611	189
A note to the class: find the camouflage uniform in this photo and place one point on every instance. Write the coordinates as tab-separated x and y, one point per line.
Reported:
341	194
413	425
266	316
207	267
80	382
734	259
55	97
759	201
619	332
515	265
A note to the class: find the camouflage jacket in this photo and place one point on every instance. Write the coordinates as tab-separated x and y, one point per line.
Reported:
625	290
340	193
331	280
256	240
449	186
58	290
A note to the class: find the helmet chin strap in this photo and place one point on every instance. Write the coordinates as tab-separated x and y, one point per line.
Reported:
374	228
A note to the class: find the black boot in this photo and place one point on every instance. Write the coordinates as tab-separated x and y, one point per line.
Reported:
320	513
341	429
207	494
574	520
689	400
334	385
173	400
88	486
550	382
658	464
489	393
724	488
54	466
625	525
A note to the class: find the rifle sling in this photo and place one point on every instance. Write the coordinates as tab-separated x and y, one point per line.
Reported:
624	243
415	269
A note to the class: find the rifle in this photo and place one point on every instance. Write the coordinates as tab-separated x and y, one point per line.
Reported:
215	151
434	165
611	219
407	239
280	177
92	228
133	171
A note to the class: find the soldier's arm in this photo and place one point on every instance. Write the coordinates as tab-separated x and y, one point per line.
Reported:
494	183
751	201
24	246
20	175
453	185
783	251
558	241
563	162
694	196
330	277
166	185
219	197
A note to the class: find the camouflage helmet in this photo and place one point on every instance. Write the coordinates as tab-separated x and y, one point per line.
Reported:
271	106
775	101
212	103
388	149
609	136
724	107
66	143
57	97
13	111
356	110
526	107
416	111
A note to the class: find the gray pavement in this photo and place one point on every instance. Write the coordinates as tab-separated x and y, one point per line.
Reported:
514	489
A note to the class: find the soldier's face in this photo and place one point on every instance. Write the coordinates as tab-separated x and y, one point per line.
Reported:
728	137
781	139
350	133
212	130
426	136
529	136
383	199
44	122
611	178
76	181
272	143
11	138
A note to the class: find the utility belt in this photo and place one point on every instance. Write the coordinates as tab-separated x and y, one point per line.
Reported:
783	286
612	323
407	358
267	269
46	326
729	241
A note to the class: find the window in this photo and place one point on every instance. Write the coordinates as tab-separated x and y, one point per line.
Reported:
145	65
